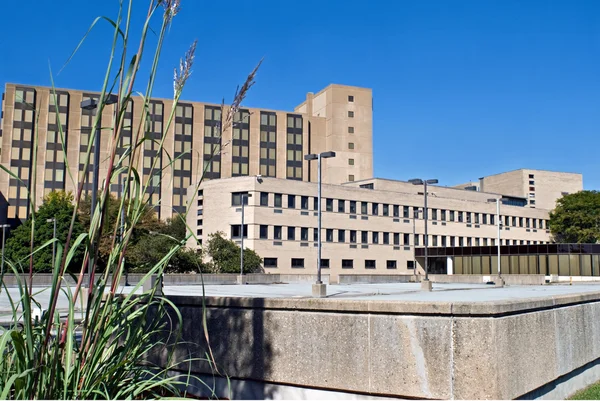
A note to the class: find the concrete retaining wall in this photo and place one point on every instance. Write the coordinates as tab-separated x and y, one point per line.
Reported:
510	279
441	350
374	278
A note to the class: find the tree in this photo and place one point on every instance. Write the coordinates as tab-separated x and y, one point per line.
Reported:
576	218
225	256
56	205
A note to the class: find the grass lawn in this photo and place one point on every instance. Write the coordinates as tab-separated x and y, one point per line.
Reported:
590	393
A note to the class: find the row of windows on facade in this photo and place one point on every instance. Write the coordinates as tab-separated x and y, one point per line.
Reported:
384	209
370	237
298	263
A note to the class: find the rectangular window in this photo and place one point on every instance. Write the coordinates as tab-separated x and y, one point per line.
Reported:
469	218
350	114
316	203
443	240
291	233
304	203
341	206
324	263
277	232
351	162
240	143
451	215
353	236
396	238
329	235
433	214
396	211
237	197
347	264
460	217
294	147
391	264
443	215
351	130
350	99
476	218
351	178
212	142
531	176
270	263
386	210
364	237
514	221
315	234
304	234
406	213
297	263
236	232
531	182
492	219
375	236
278	200
452	241
350	145
375	209
291	201
369	264
264	199
352	207
268	143
406	239
341	235
435	240
460	241
410	264
264	231
329	205
386	238
416	240
484	218
363	207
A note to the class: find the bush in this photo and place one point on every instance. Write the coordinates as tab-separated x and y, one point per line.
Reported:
224	256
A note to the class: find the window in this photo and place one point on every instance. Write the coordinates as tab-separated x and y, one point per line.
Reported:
410	264
375	209
347	264
315	203
386	210
527	222
304	202
469	243
369	264
304	234
391	264
452	241
350	99
531	182
341	235
492	219
364	237
351	162
264	232
484	218
291	233
476	218
341	206
363	207
264	199
294	147
433	214
329	235
297	263
541	224
352	207
435	240
375	237
534	223
235	231
270	263
315	234
353	236
240	143
406	239
469	217
532	202
236	198
350	145
532	188
386	238
443	240
443	215
351	178
460	217
531	176
405	212
396	211
514	221
268	144
460	241
278	201
350	114
476	241
324	263
329	205
416	241
451	215
396	238
351	130
277	232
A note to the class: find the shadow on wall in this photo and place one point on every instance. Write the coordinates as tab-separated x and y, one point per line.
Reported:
238	342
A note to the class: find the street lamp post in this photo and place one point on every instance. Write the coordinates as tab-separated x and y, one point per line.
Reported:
319	289
53	220
244	200
425	284
499	281
91	104
4	227
415	216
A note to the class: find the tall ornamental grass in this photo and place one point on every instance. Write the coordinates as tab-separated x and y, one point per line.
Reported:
97	349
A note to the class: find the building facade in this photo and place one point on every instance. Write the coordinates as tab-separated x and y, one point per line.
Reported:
263	142
368	227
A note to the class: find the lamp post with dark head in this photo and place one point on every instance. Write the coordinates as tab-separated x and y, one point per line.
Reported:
499	281
319	289
425	284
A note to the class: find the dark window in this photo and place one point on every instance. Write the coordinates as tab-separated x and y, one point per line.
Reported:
416	241
396	238
433	214
304	203
353	236
492	219
452	241
316	204
278	201
451	215
268	144
315	234
264	232
324	263
369	264
405	212
350	114
514	221
264	199
386	210
341	206
291	201
291	233
347	263
375	236
391	264
531	176
236	198
297	263
235	231
351	177
375	209
532	188
443	240
350	98
270	262
363	207
386	238
329	205
406	239
527	222
329	235
476	218
341	235
435	240
352	207
396	211
460	241
534	223
364	237
304	234
410	264
484	218
443	215
460	217
468	217
531	182
277	232
351	130
367	186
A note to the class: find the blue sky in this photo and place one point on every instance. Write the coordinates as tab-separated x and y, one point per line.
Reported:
462	89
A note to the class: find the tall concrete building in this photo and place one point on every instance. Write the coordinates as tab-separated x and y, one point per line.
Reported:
268	142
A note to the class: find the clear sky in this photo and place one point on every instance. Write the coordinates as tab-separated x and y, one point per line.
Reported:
461	89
